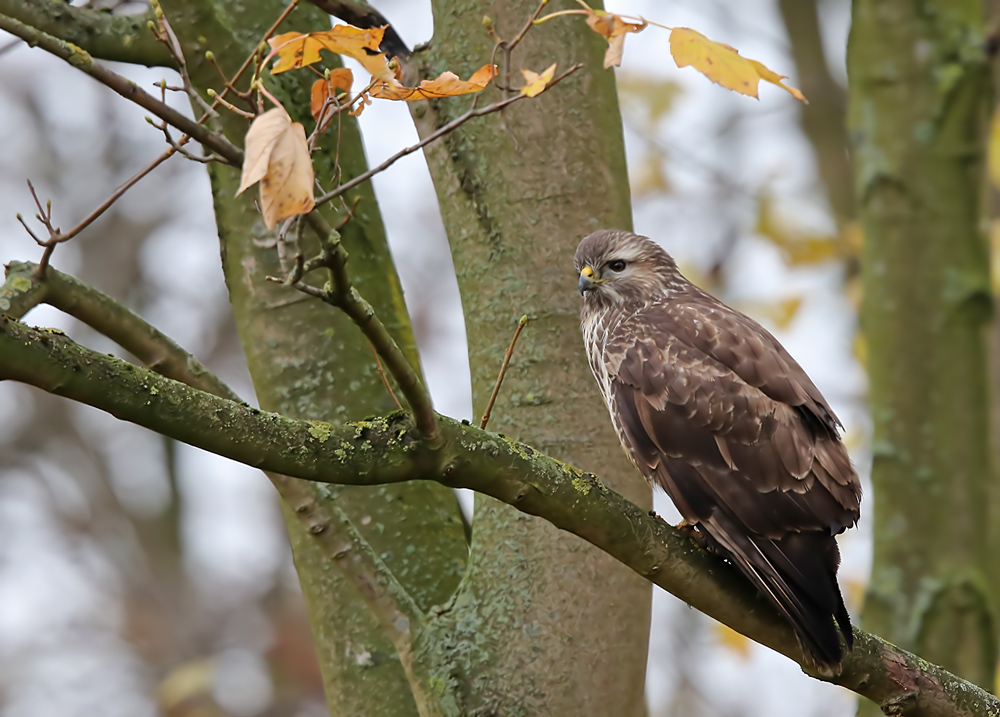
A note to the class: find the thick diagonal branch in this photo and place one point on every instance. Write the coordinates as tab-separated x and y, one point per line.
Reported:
330	527
390	449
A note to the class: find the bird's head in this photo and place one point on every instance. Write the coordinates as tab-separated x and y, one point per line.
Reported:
619	267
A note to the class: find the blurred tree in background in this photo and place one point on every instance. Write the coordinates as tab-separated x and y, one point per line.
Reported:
117	529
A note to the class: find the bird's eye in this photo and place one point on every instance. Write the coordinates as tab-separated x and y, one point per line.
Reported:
616	265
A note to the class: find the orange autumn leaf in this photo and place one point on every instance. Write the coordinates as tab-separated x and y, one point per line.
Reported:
448	84
340	80
613	28
276	154
295	50
534	83
723	64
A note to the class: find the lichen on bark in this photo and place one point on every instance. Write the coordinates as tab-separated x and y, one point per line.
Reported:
308	360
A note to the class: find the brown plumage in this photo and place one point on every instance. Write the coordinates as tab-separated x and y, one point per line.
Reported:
710	407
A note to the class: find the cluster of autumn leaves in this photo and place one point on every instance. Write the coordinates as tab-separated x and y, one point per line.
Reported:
277	151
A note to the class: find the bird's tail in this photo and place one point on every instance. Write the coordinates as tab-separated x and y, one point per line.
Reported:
798	573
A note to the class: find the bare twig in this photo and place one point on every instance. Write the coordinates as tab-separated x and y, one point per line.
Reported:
507	46
125	87
437	134
340	292
503	372
165	34
385	379
58	237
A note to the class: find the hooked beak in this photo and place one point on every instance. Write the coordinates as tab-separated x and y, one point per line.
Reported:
587	280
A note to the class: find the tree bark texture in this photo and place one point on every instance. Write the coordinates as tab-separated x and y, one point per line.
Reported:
308	360
920	100
548	624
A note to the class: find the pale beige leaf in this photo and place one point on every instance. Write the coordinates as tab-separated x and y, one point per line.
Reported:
287	188
264	133
534	83
613	28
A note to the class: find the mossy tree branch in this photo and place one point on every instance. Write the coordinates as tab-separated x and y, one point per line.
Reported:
105	35
330	527
390	450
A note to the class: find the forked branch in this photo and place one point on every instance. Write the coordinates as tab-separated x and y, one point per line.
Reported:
391	449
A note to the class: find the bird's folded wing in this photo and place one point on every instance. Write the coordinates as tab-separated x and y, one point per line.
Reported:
693	422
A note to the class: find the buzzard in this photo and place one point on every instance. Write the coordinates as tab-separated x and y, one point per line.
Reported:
711	408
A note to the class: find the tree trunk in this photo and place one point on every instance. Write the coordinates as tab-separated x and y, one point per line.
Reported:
920	94
309	360
552	626
823	119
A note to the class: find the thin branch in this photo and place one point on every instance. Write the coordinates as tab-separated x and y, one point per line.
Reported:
391	449
124	87
58	237
122	38
437	134
385	379
503	372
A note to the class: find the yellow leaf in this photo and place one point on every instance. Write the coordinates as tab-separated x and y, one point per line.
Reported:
447	85
723	64
535	84
296	50
277	155
613	28
993	150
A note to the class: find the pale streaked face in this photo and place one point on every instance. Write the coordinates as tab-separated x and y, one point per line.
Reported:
616	267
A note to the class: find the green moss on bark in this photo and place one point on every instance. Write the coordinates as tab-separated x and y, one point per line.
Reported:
309	361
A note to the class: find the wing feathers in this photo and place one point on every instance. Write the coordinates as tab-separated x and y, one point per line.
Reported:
711	407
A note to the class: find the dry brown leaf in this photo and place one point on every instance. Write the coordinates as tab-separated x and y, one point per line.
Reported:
723	64
534	83
277	155
296	50
613	28
448	84
340	80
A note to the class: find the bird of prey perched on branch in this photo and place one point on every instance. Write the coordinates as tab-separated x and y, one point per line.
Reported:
710	407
